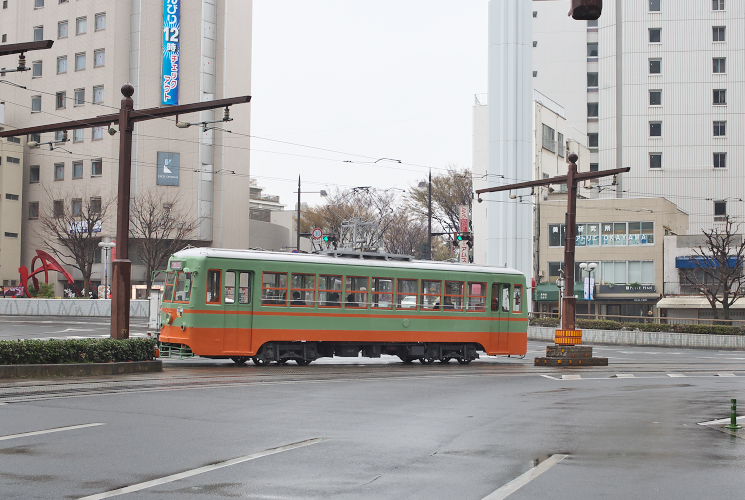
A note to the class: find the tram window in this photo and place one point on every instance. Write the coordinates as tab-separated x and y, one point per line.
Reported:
213	286
505	298
356	292
517	303
476	296
303	290
170	282
182	288
431	295
229	288
382	293
495	296
453	299
244	288
274	289
408	292
329	291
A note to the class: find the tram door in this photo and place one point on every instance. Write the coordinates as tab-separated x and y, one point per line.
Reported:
500	307
238	312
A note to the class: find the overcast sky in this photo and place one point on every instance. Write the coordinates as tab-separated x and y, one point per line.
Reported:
369	78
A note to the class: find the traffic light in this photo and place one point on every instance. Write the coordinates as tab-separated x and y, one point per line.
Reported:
467	237
330	239
586	10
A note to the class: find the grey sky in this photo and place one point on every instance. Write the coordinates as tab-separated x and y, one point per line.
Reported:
379	78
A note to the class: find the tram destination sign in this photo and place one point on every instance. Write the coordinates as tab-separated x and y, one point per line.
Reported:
168	170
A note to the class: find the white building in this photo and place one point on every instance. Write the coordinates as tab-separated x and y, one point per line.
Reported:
98	47
679	86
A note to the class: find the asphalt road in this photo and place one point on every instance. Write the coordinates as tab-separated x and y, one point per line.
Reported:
352	428
45	327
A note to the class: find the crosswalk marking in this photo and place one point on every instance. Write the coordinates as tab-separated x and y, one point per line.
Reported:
726	375
571	377
675	375
625	375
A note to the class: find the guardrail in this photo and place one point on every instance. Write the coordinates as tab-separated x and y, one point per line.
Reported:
648	319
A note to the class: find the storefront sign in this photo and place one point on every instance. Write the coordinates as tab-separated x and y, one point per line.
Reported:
627	289
171	51
168	169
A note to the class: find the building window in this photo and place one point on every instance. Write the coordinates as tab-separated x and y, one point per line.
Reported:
592	79
98	94
95	206
13	159
99	58
592	49
60	100
60	136
59	171
36	69
549	141
655	160
720	128
594	167
592	140
78	135
35	103
14	140
38	33
12	197
80	61
34	137
655	35
720	210
720	96
11	235
96	133
655	66
33	175
717	4
655	129
100	21
76	207
96	167
655	97
33	210
58	207
77	169
592	109
38	4
720	160
654	5
718	33
61	65
720	64
81	25
560	143
79	97
592	23
62	29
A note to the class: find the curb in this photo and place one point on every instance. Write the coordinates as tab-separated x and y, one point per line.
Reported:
79	369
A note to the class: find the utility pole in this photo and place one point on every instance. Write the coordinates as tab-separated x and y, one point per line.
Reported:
297	243
567	351
126	118
429	217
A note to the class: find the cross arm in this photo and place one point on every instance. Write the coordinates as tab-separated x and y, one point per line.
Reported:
20	48
554	180
98	121
150	113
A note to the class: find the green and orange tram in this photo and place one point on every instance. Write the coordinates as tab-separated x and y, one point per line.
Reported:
276	307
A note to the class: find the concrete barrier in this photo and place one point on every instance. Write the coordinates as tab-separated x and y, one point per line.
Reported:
655	339
69	307
79	369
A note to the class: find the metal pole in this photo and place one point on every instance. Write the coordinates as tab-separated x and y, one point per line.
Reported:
429	217
105	272
298	214
569	301
121	284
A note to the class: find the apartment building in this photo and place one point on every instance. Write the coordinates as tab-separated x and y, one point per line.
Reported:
98	47
661	92
11	185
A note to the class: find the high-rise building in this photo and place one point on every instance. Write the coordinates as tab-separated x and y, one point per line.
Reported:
11	185
661	94
98	47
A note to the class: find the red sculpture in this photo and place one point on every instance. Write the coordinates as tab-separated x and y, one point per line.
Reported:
48	263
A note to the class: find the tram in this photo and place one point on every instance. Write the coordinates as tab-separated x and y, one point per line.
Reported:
276	307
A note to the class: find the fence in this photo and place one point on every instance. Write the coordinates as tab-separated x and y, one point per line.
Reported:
648	319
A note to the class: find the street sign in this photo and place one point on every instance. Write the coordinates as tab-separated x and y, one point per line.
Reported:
317	233
463	252
463	216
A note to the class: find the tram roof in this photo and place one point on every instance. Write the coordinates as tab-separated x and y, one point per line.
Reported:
225	253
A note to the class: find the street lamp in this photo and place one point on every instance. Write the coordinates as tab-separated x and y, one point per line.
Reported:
322	192
106	246
429	214
589	283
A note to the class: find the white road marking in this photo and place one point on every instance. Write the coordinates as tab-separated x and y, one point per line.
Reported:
520	481
625	375
720	421
201	470
726	375
48	431
675	375
571	377
550	377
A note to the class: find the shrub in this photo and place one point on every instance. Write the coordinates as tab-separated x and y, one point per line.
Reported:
28	352
45	291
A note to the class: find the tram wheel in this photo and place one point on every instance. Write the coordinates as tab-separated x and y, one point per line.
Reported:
445	361
407	360
464	361
426	360
240	360
282	362
260	361
303	362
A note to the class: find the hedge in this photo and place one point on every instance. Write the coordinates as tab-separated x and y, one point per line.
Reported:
602	324
32	352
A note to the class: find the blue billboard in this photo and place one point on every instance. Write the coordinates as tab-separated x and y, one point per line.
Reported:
171	51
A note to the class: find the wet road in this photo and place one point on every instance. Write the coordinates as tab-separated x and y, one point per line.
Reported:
45	327
350	428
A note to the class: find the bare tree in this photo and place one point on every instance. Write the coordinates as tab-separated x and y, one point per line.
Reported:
159	227
718	274
71	227
406	235
449	191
